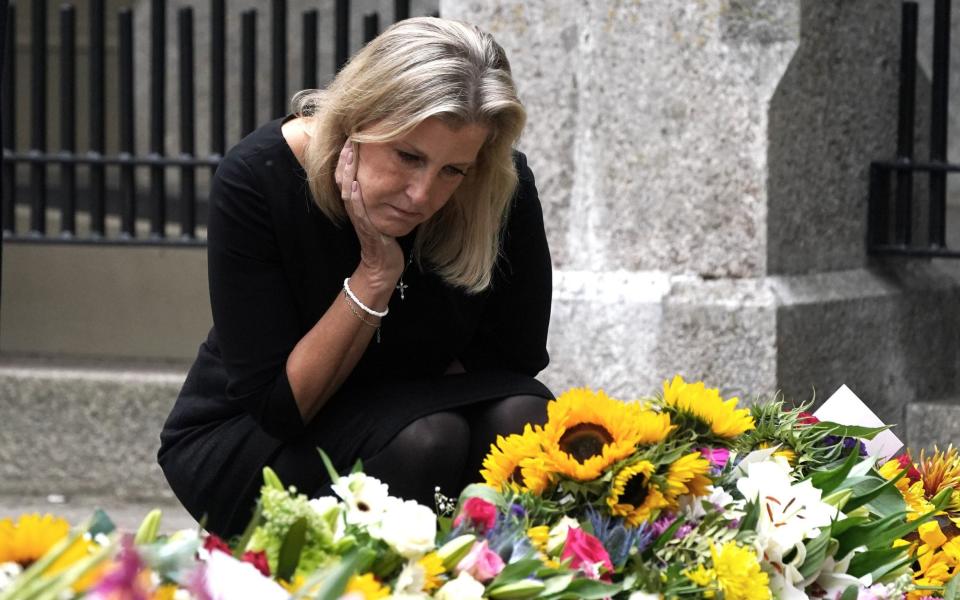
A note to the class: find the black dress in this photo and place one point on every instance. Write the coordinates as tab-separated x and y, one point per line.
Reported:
275	265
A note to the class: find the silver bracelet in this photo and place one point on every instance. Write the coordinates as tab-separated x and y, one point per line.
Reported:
364	307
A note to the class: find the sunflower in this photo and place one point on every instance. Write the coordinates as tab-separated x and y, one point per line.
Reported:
588	431
365	586
634	496
30	537
517	462
688	475
432	570
706	406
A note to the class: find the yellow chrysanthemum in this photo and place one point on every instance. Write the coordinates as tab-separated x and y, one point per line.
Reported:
705	404
633	496
588	431
517	462
739	576
539	536
704	577
366	586
688	475
432	570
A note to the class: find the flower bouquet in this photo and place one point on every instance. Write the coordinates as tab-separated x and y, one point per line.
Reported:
682	495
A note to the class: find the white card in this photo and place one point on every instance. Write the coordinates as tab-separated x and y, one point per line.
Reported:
845	408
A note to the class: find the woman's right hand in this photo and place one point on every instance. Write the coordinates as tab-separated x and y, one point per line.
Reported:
381	257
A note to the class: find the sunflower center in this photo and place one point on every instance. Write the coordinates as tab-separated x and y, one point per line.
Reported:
585	440
635	492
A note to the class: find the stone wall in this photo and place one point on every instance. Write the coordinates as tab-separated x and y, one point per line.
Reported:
703	167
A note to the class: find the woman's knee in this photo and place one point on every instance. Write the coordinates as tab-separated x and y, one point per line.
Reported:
510	414
440	436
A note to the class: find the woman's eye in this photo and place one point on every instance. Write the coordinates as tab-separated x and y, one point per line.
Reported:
407	157
454	171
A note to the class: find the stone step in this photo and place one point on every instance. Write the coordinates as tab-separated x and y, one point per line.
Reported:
930	423
84	428
126	515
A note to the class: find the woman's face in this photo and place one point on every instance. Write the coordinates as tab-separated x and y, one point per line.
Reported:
406	180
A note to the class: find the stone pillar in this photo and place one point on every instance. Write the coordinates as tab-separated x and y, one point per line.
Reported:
703	168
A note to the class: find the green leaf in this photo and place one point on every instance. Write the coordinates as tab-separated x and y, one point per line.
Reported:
555	585
100	523
866	433
332	581
829	480
357	467
838	528
481	490
516	571
952	591
328	465
289	556
882	570
867	562
244	540
816	553
850	593
883	499
588	589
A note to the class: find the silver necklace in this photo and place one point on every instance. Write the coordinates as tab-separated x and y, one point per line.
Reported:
401	286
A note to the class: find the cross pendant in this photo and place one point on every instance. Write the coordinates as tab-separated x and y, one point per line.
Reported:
402	287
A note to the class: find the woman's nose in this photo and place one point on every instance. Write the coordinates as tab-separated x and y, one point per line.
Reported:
418	188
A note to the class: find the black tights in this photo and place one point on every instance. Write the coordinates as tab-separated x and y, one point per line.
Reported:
447	449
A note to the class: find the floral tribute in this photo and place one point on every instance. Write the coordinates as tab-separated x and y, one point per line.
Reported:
682	495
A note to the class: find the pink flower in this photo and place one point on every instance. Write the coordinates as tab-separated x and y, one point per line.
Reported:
479	513
717	456
482	563
588	554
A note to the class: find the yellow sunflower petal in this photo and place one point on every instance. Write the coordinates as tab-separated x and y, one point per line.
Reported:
514	460
588	431
633	496
688	475
705	404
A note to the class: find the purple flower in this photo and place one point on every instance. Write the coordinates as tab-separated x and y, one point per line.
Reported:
683	531
662	524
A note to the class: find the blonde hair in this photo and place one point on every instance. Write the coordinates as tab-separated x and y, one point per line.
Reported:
416	69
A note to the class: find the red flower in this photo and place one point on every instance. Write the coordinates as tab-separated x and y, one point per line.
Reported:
259	560
215	543
906	463
478	513
805	418
588	554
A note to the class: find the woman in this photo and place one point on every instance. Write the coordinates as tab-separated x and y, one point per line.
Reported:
379	280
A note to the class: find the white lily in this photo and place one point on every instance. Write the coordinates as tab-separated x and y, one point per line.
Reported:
789	514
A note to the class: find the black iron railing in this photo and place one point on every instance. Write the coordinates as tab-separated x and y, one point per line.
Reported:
892	213
159	160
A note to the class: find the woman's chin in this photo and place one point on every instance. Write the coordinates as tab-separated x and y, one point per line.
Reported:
393	227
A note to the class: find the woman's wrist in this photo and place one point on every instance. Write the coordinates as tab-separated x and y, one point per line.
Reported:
373	287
